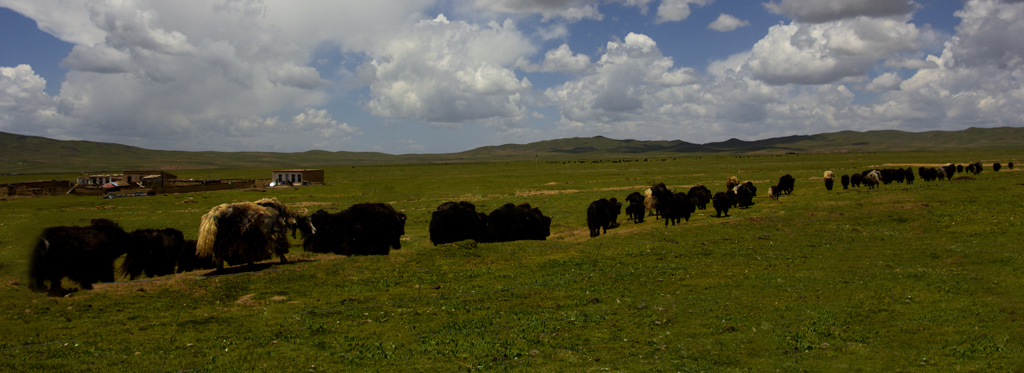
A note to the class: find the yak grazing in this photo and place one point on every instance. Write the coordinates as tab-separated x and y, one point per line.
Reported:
830	178
362	229
602	214
154	252
513	223
721	202
247	232
786	183
676	206
700	195
845	180
83	254
453	222
635	210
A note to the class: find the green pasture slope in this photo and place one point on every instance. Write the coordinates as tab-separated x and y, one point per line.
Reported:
927	276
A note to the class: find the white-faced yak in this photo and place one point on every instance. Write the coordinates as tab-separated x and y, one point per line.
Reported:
83	254
830	179
246	232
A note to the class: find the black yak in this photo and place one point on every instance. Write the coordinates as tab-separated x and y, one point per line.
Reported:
83	254
188	260
676	206
602	214
996	166
635	210
908	174
721	202
786	183
154	252
856	180
744	195
453	222
513	223
659	193
700	195
246	232
1009	165
362	229
845	180
830	178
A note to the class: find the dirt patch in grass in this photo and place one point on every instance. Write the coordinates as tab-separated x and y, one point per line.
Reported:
528	193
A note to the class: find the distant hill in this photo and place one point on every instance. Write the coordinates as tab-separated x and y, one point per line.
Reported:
30	154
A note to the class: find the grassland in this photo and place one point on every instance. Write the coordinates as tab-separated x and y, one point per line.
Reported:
917	277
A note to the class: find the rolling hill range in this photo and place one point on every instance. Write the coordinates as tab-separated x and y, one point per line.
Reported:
30	154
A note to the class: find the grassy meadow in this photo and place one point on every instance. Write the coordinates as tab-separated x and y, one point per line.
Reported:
926	276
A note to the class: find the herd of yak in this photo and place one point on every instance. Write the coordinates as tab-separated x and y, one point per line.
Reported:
247	232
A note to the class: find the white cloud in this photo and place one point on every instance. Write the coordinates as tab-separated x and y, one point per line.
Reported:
560	59
885	82
817	11
827	52
988	34
676	10
450	72
570	10
24	103
726	23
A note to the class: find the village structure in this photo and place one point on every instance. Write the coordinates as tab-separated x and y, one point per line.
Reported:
143	182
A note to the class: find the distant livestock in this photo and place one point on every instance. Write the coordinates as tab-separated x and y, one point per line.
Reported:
845	180
83	254
635	210
603	214
908	174
773	192
872	178
744	194
660	193
362	229
523	222
722	202
246	232
453	222
786	184
1009	165
154	252
649	201
996	166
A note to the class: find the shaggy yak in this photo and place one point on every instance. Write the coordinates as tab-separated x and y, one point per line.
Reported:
83	254
453	222
830	178
513	223
602	214
996	166
247	232
872	178
635	210
362	229
676	206
744	195
188	261
845	180
773	192
856	180
1009	165
659	193
700	195
721	202
908	174
154	252
649	201
731	182
786	184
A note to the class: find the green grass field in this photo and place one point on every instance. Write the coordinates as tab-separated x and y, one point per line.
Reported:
927	276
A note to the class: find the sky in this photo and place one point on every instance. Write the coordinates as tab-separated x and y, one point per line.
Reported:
443	76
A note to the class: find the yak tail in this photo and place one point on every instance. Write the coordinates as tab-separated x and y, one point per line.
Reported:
37	266
207	234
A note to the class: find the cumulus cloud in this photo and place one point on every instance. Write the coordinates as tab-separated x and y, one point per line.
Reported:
676	10
450	72
23	101
560	59
817	11
984	34
885	82
799	53
726	23
570	10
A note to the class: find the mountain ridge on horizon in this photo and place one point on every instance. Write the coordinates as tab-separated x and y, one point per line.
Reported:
33	154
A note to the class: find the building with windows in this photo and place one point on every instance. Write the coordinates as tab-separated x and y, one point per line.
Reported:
297	176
